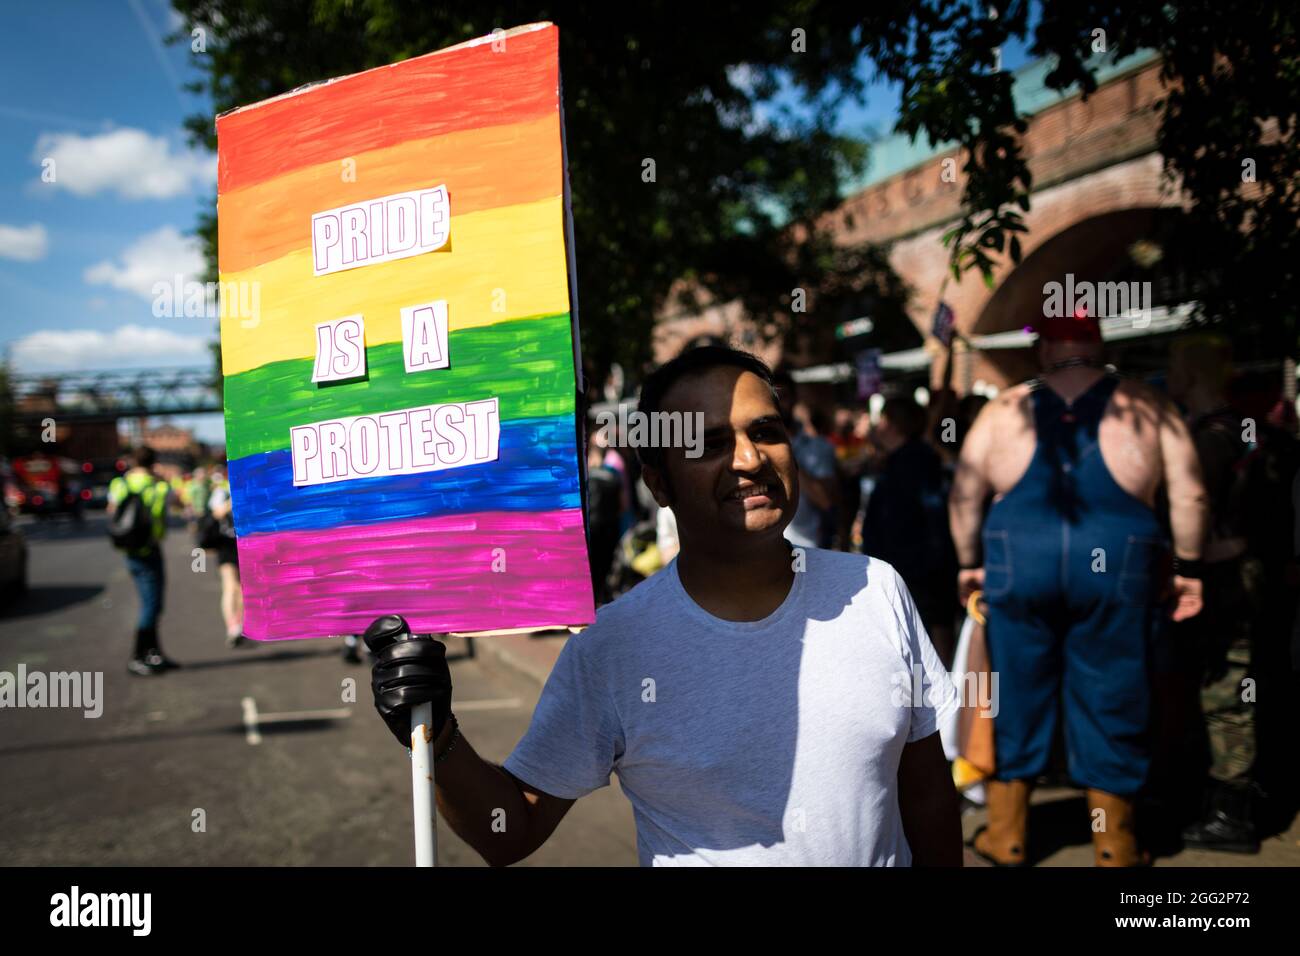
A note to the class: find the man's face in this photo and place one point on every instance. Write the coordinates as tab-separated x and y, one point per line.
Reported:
1051	351
862	425
745	482
886	435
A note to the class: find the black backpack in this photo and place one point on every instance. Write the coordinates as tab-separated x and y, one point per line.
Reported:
131	527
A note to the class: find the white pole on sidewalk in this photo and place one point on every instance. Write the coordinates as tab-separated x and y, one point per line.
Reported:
426	823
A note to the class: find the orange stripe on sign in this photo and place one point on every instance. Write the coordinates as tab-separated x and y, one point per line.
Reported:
482	168
467	87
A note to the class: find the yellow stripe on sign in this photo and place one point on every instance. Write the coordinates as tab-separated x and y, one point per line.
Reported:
499	264
482	168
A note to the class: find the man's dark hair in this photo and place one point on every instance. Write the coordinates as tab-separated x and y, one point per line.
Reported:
782	378
692	362
144	457
906	415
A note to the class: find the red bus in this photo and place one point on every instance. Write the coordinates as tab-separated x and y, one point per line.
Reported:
46	485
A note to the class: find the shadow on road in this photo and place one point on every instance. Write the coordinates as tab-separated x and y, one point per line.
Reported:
83	743
238	657
43	600
246	656
61	528
306	725
1056	824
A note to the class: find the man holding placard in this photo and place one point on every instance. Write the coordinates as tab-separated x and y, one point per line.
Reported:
761	704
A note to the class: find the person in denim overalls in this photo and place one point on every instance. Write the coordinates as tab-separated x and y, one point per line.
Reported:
1075	574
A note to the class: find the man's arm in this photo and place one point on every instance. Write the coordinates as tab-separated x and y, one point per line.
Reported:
928	803
489	809
970	489
500	816
817	474
815	489
570	746
1188	505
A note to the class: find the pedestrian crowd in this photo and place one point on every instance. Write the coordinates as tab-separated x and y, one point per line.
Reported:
1130	552
1121	557
140	504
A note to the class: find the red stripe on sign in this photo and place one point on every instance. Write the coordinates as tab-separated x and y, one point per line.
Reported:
463	88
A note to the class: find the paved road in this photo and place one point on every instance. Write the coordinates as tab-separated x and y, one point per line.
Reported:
329	789
124	788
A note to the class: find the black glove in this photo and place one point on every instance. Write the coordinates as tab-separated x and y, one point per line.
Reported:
408	669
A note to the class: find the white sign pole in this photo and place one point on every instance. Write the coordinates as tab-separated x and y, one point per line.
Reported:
426	808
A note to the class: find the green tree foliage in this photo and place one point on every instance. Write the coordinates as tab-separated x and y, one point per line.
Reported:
737	193
682	86
1232	74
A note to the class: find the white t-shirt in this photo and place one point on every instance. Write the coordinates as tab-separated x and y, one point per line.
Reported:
666	531
772	742
220	496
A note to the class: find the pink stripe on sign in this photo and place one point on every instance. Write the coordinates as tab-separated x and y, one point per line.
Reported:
473	572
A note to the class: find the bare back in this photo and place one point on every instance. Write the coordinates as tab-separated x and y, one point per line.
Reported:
1129	436
1143	440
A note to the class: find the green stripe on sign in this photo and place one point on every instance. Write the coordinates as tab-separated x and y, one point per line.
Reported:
526	363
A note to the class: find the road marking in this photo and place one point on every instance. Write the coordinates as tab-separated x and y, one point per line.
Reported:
253	721
338	714
251	733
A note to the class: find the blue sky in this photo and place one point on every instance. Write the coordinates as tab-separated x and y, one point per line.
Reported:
90	85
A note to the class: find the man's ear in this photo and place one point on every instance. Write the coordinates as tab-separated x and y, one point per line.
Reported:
656	479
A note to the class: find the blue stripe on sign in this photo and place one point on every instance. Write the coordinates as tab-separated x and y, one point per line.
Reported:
536	470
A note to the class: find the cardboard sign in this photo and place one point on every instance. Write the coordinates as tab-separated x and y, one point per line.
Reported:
869	375
941	324
400	410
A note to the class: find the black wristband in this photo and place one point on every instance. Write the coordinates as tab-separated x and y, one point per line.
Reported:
451	741
1188	567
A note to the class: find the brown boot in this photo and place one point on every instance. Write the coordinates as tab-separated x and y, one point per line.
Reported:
1002	840
1114	836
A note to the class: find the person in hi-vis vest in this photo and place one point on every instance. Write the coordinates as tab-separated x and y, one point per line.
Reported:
145	560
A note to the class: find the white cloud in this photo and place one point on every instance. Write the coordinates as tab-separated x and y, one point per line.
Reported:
159	256
24	243
129	162
124	347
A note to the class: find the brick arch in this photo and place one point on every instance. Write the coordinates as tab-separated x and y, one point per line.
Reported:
1119	196
1090	250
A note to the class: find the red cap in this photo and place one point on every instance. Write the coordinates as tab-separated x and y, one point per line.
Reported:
1080	327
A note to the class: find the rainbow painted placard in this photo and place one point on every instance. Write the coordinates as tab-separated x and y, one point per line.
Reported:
400	406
